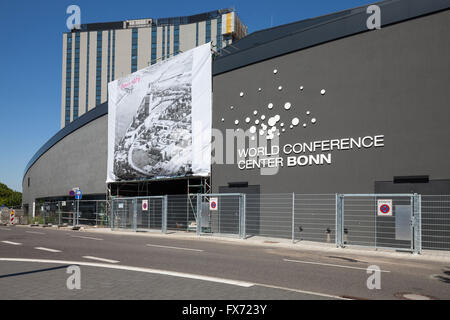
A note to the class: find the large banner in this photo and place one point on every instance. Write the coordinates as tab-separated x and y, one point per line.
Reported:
159	119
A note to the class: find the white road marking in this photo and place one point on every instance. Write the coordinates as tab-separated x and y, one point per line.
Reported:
173	274
90	238
329	265
6	229
47	249
101	259
35	232
302	291
13	243
139	269
177	248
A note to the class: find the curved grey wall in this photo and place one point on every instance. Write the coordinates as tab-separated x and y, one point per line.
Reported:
78	160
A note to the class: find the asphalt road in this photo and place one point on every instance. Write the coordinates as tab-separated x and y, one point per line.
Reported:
34	261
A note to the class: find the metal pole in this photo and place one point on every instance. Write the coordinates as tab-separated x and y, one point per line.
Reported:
152	212
338	234
164	214
339	220
134	214
111	214
417	224
293	217
376	216
244	234
199	213
412	223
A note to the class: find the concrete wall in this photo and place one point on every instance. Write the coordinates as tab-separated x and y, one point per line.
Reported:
78	160
391	82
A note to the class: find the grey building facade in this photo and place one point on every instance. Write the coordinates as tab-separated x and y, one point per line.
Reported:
389	84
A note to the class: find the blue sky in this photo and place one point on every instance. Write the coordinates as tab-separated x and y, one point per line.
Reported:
31	56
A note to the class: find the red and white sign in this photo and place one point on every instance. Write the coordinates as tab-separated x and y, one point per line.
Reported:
144	205
213	204
12	219
385	208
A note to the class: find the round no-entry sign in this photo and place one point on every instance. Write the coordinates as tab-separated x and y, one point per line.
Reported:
213	204
385	207
144	205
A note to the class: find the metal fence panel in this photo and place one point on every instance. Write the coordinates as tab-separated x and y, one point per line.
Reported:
315	217
67	212
181	212
90	212
364	227
122	210
149	213
436	222
225	219
139	214
269	215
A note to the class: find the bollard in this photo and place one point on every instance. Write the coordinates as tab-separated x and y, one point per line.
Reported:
328	233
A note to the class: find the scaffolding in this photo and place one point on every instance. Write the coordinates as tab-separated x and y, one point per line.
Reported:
194	185
192	190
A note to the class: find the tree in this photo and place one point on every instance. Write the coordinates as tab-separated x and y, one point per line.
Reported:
8	197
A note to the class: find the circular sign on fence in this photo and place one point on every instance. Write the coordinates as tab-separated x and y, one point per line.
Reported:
385	207
213	204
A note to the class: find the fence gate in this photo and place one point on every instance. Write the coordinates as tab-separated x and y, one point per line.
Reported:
150	213
222	214
379	221
139	213
122	213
